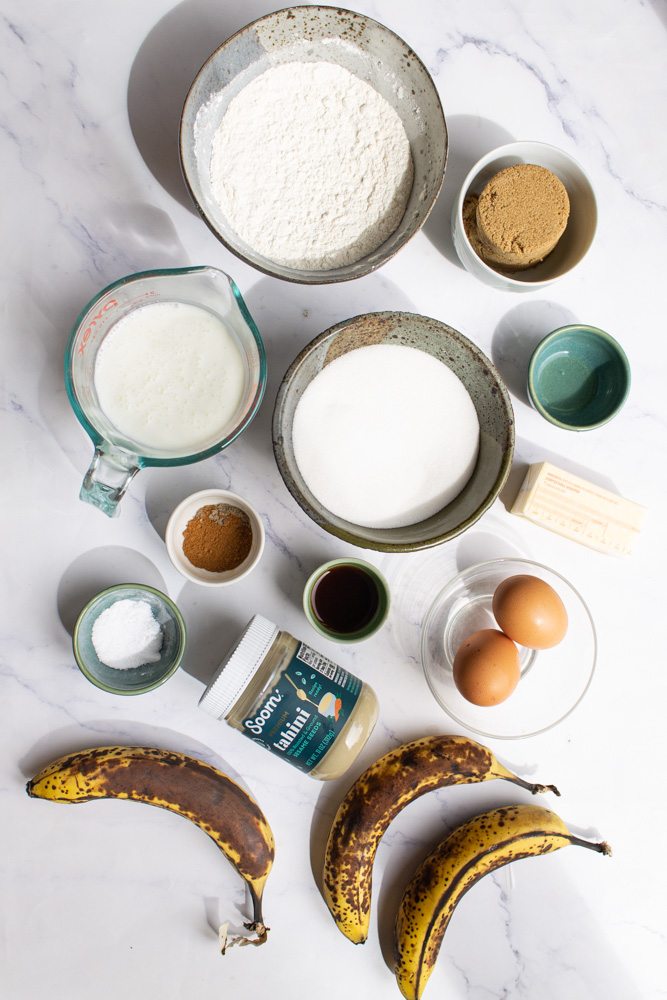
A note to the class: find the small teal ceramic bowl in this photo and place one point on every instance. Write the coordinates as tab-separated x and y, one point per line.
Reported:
147	676
346	600
578	378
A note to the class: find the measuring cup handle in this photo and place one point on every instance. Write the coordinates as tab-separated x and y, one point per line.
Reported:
107	479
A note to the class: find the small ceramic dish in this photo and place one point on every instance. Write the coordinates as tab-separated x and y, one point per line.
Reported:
309	33
553	681
484	385
578	377
361	598
178	522
573	244
136	680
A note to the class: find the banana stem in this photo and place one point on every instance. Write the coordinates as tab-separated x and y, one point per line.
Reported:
602	847
535	789
257	924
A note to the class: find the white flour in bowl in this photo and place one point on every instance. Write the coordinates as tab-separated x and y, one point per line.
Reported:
385	436
311	166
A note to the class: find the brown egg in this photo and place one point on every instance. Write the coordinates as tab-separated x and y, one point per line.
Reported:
530	611
486	667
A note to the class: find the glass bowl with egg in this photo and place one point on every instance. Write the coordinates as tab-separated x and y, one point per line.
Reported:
393	431
295	180
466	638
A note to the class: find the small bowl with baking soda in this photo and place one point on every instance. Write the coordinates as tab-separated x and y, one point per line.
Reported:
129	639
214	537
525	216
346	600
578	378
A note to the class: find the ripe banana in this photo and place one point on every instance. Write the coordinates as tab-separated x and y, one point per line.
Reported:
376	798
471	851
185	785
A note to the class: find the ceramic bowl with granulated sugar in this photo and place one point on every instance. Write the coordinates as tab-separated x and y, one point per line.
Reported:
287	171
214	537
486	393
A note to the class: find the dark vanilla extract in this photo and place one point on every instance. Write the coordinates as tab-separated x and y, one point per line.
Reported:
345	599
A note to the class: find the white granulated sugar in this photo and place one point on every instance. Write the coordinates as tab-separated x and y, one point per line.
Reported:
385	436
311	166
127	635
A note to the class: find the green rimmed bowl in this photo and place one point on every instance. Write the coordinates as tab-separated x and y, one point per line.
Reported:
148	676
487	391
578	377
377	581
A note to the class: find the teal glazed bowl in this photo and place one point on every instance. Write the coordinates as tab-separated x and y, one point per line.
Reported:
136	680
578	378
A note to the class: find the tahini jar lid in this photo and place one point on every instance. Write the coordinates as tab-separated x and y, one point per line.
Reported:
239	667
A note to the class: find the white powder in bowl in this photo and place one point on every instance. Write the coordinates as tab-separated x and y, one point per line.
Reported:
385	436
311	166
127	635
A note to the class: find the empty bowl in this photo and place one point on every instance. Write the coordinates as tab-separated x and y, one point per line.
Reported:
359	45
578	377
484	385
187	510
573	244
146	676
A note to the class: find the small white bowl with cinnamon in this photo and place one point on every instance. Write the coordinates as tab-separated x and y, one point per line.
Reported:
525	216
214	537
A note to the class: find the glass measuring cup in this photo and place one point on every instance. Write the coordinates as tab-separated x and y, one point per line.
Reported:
118	458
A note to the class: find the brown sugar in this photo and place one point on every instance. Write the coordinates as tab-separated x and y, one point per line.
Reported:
519	217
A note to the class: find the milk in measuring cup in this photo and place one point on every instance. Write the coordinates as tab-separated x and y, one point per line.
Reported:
170	375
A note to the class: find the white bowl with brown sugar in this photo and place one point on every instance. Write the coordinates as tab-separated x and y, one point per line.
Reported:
525	216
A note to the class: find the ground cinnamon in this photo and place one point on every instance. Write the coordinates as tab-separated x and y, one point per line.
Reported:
218	537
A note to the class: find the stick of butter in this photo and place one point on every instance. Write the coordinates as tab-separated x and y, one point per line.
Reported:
579	510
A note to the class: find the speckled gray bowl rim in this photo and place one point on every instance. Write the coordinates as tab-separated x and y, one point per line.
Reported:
554	335
348	535
147	687
373	264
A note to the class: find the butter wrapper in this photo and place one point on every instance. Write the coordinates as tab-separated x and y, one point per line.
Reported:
579	510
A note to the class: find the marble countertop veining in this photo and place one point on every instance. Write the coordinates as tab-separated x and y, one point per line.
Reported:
116	900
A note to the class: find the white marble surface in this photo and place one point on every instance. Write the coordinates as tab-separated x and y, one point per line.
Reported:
113	899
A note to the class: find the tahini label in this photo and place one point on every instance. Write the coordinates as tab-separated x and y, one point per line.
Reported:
304	713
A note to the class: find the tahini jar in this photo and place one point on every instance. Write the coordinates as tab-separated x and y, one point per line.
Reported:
293	701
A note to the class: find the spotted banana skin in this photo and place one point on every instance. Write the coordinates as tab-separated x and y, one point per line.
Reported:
480	846
377	797
184	785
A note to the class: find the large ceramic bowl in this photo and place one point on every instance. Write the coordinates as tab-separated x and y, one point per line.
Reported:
469	364
311	33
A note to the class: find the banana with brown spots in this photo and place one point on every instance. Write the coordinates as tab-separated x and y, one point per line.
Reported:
471	851
184	785
377	797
